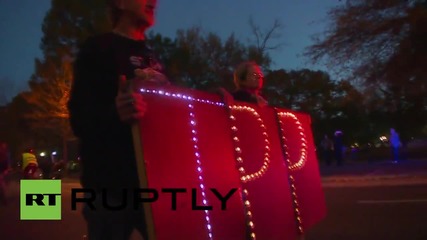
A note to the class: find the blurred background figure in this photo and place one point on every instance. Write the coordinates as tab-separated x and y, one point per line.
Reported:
327	149
45	164
338	147
4	167
395	144
58	169
29	163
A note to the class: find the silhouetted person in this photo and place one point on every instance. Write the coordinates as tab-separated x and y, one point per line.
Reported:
327	149
249	80
338	147
102	113
45	165
395	144
4	167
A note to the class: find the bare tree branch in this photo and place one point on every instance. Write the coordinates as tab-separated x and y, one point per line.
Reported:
263	38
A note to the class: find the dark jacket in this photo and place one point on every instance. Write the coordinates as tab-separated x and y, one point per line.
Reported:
244	96
106	147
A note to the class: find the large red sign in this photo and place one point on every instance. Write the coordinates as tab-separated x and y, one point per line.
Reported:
203	150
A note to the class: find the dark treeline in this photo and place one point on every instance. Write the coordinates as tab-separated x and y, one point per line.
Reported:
386	87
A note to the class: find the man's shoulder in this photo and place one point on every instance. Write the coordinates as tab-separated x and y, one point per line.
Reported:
242	95
99	41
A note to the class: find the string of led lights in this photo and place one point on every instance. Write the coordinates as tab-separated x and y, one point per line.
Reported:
194	139
292	167
245	177
302	159
199	168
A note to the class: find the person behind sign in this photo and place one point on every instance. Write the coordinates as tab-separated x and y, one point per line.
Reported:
327	149
338	147
248	79
102	111
395	144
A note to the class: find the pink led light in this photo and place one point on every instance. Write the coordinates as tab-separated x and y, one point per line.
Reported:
199	163
180	96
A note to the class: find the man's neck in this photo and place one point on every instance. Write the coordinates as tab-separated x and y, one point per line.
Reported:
130	30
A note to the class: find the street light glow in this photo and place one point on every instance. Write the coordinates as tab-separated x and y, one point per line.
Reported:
383	138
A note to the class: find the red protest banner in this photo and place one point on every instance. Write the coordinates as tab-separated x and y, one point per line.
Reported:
228	172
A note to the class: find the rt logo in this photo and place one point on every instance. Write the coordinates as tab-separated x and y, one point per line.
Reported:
40	199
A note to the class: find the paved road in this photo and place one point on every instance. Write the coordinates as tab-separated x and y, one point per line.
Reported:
365	201
381	212
375	173
71	227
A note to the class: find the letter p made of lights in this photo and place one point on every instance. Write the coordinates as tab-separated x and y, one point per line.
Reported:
191	139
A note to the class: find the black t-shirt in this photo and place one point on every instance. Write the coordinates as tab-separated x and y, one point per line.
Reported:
244	96
106	147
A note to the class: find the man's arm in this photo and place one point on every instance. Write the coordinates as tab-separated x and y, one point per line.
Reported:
92	112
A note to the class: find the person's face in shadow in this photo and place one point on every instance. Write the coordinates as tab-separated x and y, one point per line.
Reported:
254	78
142	11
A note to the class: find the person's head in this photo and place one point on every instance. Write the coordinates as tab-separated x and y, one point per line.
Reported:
29	150
248	75
139	12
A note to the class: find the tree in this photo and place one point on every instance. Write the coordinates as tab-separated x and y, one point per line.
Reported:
6	87
18	132
193	59
263	38
65	26
382	44
205	61
68	23
332	105
48	101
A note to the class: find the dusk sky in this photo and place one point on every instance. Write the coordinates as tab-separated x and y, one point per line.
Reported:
20	22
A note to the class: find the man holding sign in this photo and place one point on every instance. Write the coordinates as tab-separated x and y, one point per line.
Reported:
102	111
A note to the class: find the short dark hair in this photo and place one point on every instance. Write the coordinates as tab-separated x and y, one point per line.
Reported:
113	11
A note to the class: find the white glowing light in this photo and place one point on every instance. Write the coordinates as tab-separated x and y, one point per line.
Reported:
244	177
302	159
192	122
180	96
266	160
292	167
